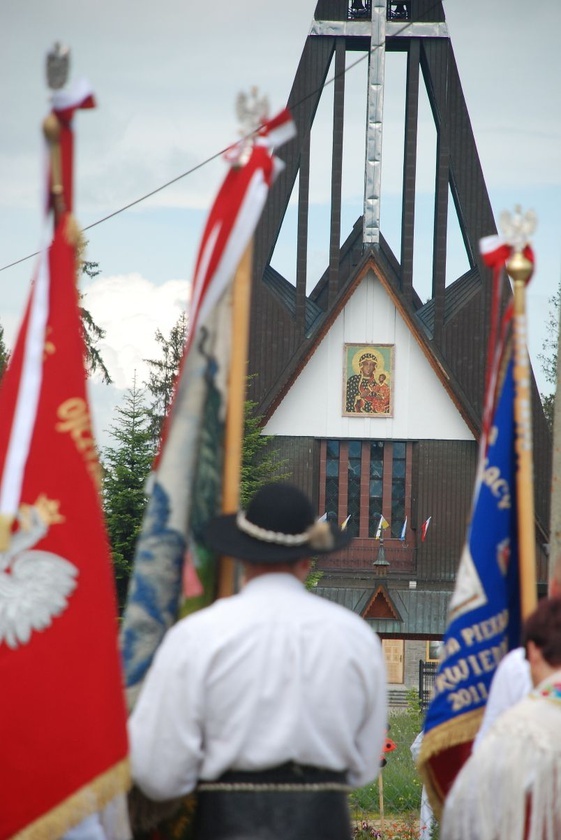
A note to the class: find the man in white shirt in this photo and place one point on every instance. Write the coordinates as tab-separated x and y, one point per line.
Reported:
270	703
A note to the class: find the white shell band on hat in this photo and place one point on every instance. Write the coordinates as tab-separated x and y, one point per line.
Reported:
318	535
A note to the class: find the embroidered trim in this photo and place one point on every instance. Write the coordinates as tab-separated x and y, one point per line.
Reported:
550	691
318	535
88	799
235	787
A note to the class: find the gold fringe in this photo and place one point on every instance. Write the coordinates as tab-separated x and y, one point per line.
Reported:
73	233
5	531
88	800
447	735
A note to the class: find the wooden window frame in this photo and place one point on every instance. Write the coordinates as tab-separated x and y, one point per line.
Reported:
428	656
387	483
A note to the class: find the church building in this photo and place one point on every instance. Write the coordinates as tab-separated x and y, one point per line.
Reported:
371	312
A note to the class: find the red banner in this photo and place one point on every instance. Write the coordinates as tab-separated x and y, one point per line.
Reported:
62	723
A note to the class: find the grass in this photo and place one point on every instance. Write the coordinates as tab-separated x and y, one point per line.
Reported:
400	787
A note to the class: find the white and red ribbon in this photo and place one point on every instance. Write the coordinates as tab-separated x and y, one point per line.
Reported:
33	332
64	103
234	216
495	251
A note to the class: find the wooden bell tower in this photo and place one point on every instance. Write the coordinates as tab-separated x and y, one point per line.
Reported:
374	28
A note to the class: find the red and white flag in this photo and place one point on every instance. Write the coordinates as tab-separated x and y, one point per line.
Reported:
424	528
187	481
63	723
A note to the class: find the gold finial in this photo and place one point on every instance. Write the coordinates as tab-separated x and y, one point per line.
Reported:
58	62
51	128
519	268
517	228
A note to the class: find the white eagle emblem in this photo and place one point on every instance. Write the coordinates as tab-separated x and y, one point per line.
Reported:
34	585
252	111
517	228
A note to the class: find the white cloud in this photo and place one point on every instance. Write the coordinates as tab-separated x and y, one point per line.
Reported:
166	97
130	309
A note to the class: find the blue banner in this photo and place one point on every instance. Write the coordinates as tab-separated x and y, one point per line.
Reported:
484	612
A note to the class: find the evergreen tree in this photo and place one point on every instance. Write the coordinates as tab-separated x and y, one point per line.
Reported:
92	332
125	470
163	373
261	462
548	357
4	355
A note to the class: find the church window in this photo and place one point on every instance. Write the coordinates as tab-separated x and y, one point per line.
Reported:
365	480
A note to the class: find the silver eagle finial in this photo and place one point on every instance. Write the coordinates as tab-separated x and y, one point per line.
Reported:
58	66
517	228
252	110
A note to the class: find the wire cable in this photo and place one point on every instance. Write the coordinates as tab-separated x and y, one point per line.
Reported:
216	155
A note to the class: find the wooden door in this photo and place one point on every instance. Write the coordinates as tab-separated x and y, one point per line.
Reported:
393	654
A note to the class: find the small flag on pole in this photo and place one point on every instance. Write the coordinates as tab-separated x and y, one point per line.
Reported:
403	530
345	523
424	528
382	525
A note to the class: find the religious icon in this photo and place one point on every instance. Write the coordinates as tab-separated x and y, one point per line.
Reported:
368	375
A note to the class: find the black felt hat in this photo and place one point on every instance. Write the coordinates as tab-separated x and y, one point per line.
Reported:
279	526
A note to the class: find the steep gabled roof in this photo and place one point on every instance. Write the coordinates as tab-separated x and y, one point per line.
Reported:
381	606
307	348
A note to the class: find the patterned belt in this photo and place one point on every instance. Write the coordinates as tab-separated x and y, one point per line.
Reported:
287	777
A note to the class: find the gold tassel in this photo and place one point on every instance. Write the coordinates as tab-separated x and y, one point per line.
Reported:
321	536
447	735
73	234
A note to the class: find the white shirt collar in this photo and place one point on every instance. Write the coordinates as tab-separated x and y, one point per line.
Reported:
274	580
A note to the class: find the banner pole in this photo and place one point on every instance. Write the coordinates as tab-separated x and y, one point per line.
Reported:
241	300
554	572
519	269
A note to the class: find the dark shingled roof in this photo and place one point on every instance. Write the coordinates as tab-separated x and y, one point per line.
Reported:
457	295
423	612
286	293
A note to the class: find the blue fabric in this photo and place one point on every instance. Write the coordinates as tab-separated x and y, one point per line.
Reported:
186	493
484	613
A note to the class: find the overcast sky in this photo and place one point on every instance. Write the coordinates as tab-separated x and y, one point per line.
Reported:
166	76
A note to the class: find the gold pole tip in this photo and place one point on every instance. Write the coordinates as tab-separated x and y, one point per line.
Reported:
51	128
519	268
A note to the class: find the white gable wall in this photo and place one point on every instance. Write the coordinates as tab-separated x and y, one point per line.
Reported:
422	410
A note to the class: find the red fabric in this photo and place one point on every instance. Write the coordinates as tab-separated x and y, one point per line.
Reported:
494	253
67	147
63	719
445	765
223	216
215	248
